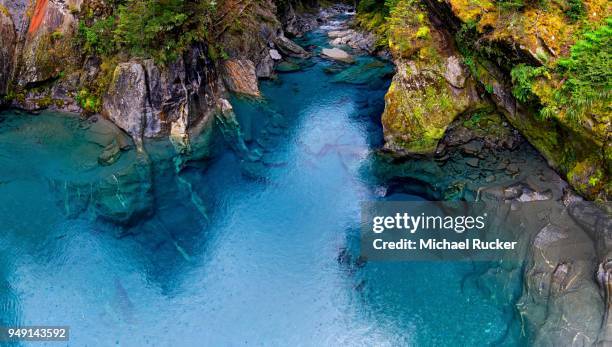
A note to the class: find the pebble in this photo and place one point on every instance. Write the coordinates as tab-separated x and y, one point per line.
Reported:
473	162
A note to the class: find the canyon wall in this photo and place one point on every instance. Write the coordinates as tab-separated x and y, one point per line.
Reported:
544	65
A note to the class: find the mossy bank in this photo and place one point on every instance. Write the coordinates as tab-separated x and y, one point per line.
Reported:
545	65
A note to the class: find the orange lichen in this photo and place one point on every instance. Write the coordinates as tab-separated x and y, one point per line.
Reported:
39	14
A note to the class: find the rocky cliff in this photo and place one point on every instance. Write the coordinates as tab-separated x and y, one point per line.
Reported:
93	57
153	69
544	65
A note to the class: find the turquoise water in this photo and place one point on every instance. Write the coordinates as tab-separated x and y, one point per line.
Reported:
240	250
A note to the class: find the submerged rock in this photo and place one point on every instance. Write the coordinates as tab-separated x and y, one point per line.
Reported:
364	73
125	196
110	154
286	66
230	128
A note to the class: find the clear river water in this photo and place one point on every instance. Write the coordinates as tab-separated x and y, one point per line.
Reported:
256	251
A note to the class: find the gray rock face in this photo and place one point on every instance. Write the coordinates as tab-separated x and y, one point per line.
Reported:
455	74
17	10
265	68
148	101
298	24
7	49
127	103
43	57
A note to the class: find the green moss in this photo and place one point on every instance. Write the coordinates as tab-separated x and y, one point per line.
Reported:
422	33
89	102
417	118
588	177
587	74
57	35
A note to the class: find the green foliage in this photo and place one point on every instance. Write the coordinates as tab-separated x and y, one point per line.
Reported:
89	102
369	6
466	37
375	16
98	38
161	29
523	79
586	76
422	33
587	72
472	122
575	10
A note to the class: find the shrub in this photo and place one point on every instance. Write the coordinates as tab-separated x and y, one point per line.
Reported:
161	29
587	72
575	10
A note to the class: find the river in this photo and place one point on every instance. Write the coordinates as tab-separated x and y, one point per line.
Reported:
259	250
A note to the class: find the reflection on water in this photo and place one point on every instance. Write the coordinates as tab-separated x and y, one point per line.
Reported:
240	250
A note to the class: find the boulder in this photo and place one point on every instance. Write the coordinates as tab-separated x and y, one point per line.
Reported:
473	162
353	39
152	101
337	54
275	55
339	33
286	66
240	77
290	48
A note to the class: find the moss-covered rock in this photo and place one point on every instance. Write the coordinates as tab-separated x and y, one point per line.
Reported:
559	94
431	87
